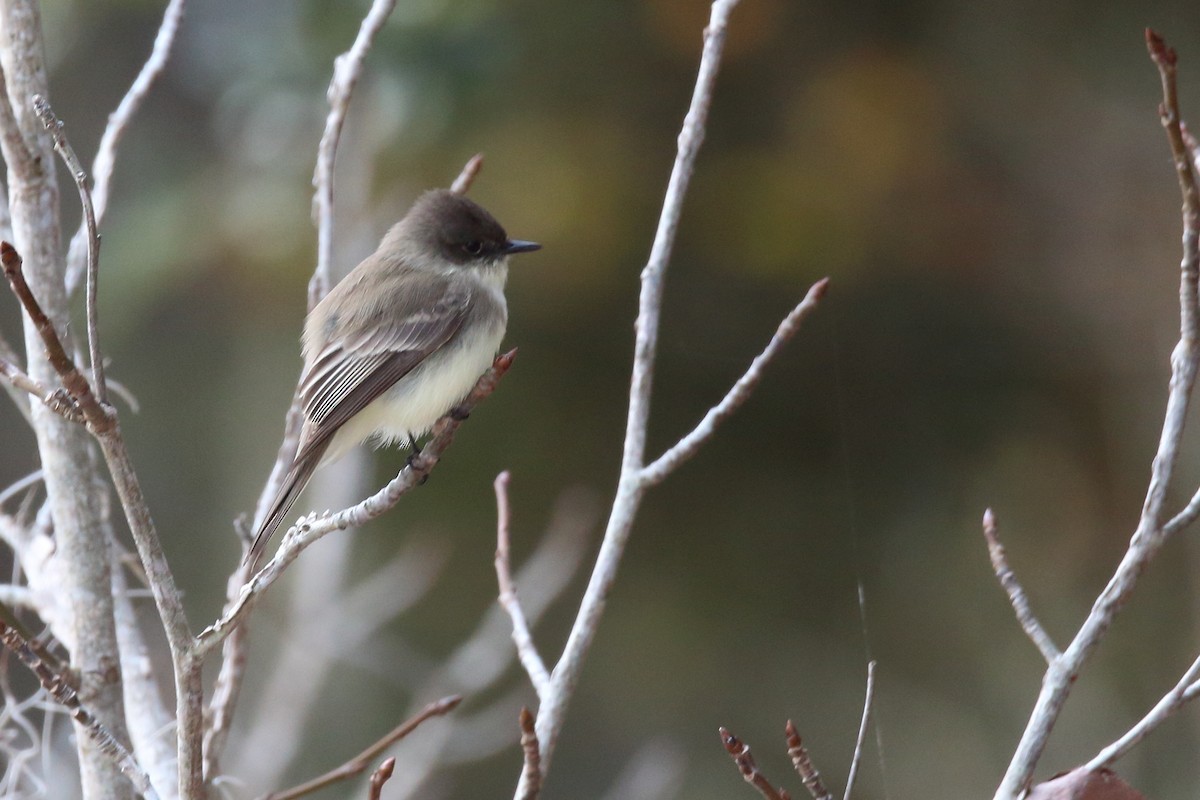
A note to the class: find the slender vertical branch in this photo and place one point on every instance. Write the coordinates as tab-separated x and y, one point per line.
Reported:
630	485
868	702
739	751
74	500
346	71
228	686
462	184
73	381
347	68
531	772
61	146
149	720
131	103
103	423
1152	529
522	638
118	123
803	764
379	777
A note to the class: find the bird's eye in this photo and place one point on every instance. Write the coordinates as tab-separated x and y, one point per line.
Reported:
474	247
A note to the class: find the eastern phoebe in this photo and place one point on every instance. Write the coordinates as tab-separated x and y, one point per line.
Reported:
401	339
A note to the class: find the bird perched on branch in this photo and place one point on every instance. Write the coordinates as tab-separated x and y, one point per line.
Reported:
401	339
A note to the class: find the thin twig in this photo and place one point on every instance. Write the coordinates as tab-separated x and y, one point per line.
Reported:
9	364
379	777
1185	690
17	155
20	485
740	752
631	485
57	400
363	760
12	596
531	772
228	686
347	68
738	394
313	527
483	658
1016	595
1151	532
61	146
104	425
74	493
522	637
462	184
73	380
150	721
118	121
65	696
868	702
803	764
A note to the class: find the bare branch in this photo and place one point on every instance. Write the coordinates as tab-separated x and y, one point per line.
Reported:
531	773
522	638
17	154
83	610
1184	518
740	753
32	479
479	663
228	686
1016	595
1186	689
803	764
462	184
347	68
1165	59
151	724
118	123
630	485
690	444
333	621
12	596
1151	532
74	381
103	423
9	366
66	697
57	400
868	701
379	777
67	153
315	526
360	762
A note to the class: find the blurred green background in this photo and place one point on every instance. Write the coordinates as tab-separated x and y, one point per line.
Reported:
990	192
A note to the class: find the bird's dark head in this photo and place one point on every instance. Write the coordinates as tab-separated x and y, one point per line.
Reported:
458	230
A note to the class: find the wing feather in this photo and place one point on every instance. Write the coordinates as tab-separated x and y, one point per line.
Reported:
347	374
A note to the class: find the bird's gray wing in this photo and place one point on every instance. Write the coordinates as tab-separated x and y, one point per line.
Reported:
346	375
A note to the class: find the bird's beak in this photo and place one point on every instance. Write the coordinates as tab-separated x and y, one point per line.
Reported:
520	246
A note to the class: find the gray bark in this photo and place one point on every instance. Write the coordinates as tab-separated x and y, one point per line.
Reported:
69	458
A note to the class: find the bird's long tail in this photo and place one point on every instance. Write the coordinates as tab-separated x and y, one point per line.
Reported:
293	484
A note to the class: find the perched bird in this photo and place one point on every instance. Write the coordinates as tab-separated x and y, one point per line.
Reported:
401	339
